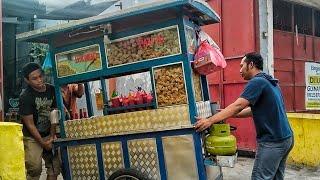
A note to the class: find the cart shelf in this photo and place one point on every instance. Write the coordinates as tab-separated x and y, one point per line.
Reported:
128	108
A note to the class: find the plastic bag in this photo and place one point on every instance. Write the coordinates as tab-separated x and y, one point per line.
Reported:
208	59
203	36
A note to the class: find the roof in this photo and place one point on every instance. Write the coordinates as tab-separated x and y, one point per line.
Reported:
80	10
22	8
199	11
76	10
311	3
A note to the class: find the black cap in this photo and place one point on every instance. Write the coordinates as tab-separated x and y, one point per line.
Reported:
29	68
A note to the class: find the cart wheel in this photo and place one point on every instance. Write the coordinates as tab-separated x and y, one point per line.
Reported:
127	174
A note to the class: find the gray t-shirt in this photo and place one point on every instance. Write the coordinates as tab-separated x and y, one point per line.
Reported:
39	104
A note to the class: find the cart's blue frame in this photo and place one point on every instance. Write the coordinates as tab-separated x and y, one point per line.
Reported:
188	13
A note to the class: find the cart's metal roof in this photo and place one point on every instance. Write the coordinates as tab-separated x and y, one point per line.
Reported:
205	15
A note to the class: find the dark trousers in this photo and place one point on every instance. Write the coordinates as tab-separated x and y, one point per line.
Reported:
270	161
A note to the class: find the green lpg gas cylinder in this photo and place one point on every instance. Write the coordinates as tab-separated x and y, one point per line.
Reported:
220	141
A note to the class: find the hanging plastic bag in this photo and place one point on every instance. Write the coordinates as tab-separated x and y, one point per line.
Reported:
203	36
208	59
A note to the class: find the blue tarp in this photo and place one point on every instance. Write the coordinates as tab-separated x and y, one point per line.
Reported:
47	62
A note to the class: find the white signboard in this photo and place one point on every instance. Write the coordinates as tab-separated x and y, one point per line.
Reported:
312	74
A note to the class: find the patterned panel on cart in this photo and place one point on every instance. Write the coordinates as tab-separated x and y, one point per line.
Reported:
161	118
144	158
138	121
83	162
172	117
204	109
81	128
179	155
112	157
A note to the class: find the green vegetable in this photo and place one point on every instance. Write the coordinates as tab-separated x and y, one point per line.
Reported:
114	94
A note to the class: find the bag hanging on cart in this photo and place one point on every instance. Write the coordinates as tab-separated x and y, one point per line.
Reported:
208	58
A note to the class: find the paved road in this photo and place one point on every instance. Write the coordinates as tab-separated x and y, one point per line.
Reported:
243	168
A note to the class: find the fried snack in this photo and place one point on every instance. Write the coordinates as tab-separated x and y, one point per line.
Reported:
170	88
154	45
65	70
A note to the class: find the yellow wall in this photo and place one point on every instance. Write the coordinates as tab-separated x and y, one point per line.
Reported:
11	152
306	128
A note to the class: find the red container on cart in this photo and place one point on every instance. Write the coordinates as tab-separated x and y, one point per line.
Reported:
138	98
76	116
131	102
85	114
115	102
131	99
147	98
125	101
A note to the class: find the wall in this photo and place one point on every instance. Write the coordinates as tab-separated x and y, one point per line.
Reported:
307	137
295	42
235	35
290	54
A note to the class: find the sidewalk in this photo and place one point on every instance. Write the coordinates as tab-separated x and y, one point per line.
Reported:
44	174
243	168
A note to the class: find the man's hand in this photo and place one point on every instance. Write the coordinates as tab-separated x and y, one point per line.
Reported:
47	144
202	124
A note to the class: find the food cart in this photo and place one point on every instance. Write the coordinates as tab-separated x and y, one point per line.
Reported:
154	139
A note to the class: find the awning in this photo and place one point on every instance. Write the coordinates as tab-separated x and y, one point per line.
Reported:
199	11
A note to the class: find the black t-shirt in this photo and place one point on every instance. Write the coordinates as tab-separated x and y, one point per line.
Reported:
39	104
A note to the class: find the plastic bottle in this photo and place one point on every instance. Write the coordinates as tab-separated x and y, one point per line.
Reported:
85	114
80	113
76	116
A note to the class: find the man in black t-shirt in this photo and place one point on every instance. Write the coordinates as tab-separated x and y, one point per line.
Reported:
35	104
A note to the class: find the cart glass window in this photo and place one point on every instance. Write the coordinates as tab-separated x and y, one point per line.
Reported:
170	85
130	93
78	61
150	45
197	86
191	40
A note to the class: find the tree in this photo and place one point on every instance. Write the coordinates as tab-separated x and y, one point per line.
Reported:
38	52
